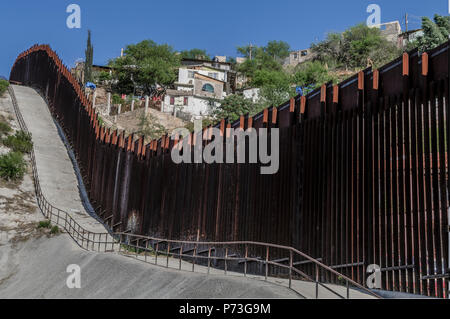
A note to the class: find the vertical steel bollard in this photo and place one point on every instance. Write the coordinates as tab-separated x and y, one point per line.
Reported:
156	257
267	262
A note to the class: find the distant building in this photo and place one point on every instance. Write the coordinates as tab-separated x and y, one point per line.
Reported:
391	31
252	94
240	60
200	86
78	70
220	58
410	36
297	57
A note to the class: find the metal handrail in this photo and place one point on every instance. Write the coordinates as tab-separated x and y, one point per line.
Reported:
82	237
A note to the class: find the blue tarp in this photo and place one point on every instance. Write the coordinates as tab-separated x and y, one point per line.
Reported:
91	85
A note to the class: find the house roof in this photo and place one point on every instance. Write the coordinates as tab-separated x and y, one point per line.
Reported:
171	92
183	84
207	78
204	61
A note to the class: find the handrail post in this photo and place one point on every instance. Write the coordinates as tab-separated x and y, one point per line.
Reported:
245	261
120	243
168	252
181	253
146	250
290	268
137	248
226	258
348	289
209	259
193	259
267	263
156	257
317	281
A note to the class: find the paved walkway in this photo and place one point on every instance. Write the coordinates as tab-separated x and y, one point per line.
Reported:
56	173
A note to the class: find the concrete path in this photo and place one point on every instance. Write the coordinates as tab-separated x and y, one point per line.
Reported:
41	272
56	174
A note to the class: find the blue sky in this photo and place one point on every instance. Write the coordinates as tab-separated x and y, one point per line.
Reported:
217	26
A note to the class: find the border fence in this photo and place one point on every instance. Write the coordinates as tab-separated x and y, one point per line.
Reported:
363	175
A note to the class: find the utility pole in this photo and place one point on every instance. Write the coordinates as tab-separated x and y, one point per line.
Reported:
406	21
251	50
406	37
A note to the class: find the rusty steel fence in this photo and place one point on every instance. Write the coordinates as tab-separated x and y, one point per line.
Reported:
192	253
362	179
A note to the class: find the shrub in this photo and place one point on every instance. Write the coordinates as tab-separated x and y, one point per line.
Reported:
44	224
3	86
4	128
19	142
12	166
54	230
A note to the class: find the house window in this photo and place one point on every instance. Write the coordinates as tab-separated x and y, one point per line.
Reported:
304	53
295	56
212	75
172	100
191	74
186	100
208	88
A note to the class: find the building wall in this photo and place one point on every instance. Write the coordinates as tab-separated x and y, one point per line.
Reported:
297	57
185	75
218	88
197	107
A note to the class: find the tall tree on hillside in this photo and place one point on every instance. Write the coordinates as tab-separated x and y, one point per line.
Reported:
358	47
195	54
434	33
146	65
89	53
279	50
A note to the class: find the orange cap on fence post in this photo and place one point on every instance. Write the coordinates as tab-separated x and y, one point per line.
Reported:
425	64
376	79
405	63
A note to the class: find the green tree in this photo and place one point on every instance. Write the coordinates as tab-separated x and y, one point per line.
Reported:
233	106
275	86
311	75
279	50
89	58
260	60
357	48
146	65
434	33
195	54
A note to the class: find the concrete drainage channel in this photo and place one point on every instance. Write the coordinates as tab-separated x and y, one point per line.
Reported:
208	258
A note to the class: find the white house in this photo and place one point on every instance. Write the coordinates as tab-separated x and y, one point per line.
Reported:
199	89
